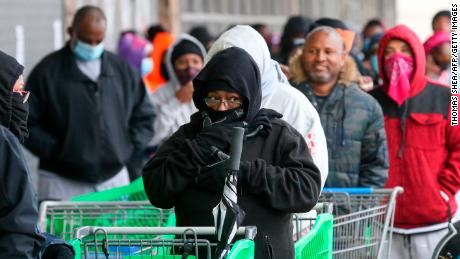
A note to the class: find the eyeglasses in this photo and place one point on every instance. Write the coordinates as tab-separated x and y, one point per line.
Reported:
230	103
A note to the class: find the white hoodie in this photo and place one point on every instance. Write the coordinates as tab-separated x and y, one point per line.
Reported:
170	114
277	93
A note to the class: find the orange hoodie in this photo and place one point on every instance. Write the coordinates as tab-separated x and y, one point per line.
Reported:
161	44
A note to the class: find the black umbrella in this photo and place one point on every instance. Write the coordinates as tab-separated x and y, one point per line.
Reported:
227	214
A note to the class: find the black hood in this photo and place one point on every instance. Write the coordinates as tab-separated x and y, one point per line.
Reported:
235	67
10	70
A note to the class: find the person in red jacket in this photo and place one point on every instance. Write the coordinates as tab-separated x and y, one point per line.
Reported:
424	148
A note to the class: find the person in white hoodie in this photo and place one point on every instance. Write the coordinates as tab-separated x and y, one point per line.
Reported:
172	102
277	93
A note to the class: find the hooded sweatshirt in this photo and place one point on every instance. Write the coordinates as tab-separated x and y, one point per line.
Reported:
170	113
10	70
277	176
19	236
160	43
277	93
424	150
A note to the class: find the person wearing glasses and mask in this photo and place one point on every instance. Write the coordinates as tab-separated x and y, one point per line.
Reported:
277	176
90	113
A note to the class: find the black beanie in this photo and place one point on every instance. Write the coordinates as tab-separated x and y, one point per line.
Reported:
185	47
330	22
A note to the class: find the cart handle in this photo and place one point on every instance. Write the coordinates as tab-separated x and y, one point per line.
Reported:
362	190
249	232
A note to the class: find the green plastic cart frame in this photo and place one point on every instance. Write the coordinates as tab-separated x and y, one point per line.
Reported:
242	249
132	192
317	243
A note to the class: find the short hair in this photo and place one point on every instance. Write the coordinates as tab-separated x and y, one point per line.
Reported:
330	31
443	13
84	11
373	22
153	30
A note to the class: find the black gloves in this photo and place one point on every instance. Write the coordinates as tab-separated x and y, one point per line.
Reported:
212	177
217	134
217	137
261	124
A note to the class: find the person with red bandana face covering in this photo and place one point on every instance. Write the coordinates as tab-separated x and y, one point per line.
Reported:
424	149
172	102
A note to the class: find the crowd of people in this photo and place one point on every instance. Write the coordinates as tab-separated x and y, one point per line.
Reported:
323	108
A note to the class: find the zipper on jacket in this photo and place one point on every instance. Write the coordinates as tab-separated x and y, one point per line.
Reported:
269	247
99	132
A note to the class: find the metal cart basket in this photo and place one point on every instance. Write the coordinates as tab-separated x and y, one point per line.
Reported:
363	220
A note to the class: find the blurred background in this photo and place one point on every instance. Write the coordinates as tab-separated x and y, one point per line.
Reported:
32	28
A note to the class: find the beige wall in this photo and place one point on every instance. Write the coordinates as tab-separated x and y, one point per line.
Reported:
417	14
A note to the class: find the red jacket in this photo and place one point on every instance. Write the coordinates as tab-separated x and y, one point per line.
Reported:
424	149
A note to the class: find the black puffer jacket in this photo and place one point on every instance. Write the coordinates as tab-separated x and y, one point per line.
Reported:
277	176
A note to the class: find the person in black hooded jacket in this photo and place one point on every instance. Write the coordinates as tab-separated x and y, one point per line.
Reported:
277	176
19	237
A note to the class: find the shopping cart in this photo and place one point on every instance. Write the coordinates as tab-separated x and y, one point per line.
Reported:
62	217
132	192
363	220
313	233
189	242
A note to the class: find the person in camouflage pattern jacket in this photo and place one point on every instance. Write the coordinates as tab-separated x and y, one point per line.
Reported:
352	120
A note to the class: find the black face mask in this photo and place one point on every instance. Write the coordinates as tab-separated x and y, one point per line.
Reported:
232	115
19	114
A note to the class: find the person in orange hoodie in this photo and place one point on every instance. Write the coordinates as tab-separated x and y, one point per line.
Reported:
156	78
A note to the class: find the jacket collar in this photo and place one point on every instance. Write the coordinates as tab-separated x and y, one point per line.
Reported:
350	73
74	73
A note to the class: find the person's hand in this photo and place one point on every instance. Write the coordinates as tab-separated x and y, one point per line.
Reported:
212	177
185	93
218	135
263	120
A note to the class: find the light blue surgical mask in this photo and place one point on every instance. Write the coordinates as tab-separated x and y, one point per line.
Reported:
366	44
374	64
87	52
146	66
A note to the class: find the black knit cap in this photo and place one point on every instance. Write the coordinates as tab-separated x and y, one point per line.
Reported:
330	22
185	47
